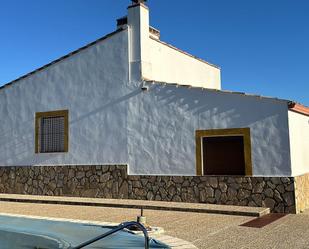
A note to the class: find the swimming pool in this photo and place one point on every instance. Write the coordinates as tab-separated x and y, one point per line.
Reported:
29	233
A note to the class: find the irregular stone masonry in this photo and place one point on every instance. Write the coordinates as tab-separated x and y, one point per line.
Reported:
112	181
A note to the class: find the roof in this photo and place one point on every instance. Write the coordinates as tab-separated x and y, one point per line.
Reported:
299	108
63	57
292	105
216	90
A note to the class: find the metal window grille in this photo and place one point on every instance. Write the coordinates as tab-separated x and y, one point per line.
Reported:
52	134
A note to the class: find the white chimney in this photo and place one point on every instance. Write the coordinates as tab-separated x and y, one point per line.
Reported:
138	23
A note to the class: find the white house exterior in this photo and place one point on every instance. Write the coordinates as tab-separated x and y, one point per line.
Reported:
134	100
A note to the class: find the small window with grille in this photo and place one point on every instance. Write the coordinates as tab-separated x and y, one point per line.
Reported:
51	132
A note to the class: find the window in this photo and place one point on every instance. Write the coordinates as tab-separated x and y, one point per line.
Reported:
223	152
51	132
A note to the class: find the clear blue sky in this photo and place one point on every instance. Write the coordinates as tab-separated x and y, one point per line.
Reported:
262	46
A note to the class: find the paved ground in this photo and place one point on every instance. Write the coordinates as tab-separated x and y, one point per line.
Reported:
152	205
204	230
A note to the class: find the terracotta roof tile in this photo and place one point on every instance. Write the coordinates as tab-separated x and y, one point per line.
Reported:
299	108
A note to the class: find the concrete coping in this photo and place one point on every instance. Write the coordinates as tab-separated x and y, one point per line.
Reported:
137	204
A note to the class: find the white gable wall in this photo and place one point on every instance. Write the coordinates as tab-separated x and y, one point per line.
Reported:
91	85
171	65
162	124
299	143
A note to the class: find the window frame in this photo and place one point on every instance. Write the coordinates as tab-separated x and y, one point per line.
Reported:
50	114
244	132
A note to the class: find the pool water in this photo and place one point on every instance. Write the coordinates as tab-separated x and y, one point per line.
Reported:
28	233
16	240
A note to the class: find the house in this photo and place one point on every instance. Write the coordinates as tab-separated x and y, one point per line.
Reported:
130	116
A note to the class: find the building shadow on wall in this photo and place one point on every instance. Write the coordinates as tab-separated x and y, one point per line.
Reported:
232	109
106	106
217	110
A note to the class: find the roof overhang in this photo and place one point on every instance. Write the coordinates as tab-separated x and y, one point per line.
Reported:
293	106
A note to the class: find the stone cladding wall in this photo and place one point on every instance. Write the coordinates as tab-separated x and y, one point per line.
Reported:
113	181
302	192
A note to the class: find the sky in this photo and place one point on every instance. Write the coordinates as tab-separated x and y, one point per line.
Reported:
262	46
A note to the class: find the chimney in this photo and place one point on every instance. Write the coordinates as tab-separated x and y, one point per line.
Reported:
138	1
138	23
122	22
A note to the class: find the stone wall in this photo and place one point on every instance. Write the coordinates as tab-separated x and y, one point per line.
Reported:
113	182
302	192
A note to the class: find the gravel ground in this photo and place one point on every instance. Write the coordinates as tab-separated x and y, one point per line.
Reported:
203	230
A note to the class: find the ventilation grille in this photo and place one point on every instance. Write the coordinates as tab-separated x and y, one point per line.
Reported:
52	133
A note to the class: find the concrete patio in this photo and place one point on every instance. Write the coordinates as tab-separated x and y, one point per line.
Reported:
202	229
